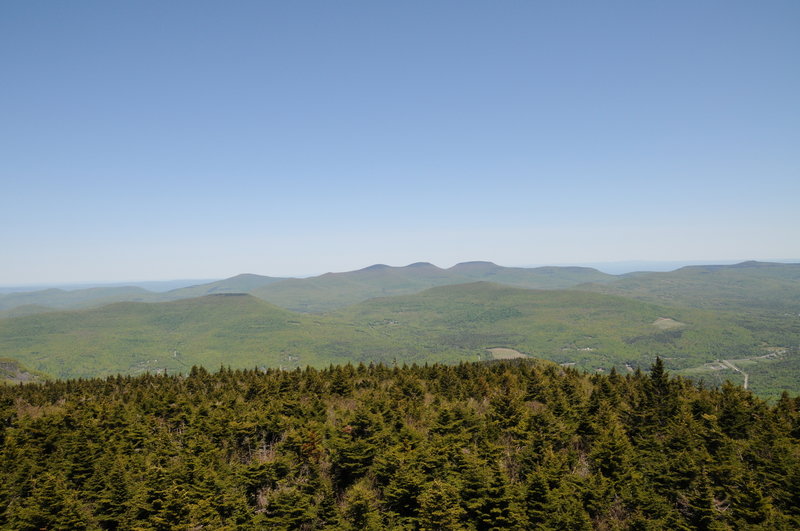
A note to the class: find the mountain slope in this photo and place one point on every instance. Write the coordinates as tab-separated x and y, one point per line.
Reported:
59	298
316	294
444	324
225	329
748	285
25	309
586	329
336	290
535	278
131	337
244	283
27	302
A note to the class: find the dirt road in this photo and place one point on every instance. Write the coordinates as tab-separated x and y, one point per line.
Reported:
737	369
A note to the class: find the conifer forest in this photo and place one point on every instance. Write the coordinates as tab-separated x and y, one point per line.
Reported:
474	446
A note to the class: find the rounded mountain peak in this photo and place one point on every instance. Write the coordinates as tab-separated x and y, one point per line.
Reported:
421	264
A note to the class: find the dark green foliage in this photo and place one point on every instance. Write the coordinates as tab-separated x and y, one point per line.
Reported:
440	507
472	447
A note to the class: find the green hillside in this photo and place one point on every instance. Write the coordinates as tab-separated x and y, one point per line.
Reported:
336	290
26	309
29	302
534	278
61	299
244	283
231	330
311	295
588	331
134	337
749	285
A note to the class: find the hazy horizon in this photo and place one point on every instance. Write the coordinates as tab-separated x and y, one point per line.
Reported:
156	140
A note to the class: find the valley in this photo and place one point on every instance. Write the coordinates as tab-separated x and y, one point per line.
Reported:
691	318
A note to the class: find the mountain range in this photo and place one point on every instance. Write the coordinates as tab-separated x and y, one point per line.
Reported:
764	285
747	314
313	295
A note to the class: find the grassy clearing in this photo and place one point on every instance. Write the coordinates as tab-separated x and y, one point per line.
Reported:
665	323
499	353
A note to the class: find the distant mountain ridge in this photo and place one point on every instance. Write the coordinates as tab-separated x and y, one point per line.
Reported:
751	284
59	299
158	286
244	283
316	294
755	285
336	290
56	298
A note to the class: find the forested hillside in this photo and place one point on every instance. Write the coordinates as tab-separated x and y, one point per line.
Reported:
447	324
315	294
773	287
736	322
336	290
473	446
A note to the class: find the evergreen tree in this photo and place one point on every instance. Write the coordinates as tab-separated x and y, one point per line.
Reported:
361	508
439	507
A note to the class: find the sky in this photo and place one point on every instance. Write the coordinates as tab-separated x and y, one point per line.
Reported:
156	140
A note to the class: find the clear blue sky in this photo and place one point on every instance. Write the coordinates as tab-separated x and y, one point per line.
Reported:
190	139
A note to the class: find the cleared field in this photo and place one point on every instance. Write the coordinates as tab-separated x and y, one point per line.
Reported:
665	323
506	353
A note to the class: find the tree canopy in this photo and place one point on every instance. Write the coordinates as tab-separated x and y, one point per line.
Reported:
512	445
